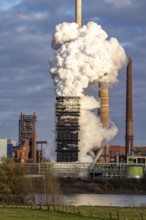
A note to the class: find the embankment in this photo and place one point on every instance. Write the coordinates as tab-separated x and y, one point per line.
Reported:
130	186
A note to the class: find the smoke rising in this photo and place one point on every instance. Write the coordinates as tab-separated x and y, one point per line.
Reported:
49	151
83	56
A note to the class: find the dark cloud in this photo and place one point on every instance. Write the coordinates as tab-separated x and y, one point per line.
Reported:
25	38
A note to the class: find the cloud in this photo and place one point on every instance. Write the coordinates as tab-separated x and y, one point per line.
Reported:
33	17
120	3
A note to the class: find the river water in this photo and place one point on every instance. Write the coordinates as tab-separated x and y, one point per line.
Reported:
104	200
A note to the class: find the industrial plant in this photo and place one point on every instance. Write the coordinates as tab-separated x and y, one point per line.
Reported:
74	156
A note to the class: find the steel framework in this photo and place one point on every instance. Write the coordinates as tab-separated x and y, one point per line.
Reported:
67	127
27	131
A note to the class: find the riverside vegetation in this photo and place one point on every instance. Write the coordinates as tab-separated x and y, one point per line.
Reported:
18	188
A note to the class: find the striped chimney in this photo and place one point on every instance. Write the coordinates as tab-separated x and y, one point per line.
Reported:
104	114
104	104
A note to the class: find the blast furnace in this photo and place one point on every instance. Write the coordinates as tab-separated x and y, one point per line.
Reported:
27	132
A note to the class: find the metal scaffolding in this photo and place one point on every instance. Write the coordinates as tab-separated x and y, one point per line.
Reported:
67	127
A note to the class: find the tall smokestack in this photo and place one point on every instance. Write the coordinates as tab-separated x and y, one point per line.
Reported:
104	104
129	112
78	12
104	116
67	116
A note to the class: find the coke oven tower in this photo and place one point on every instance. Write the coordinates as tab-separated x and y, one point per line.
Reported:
67	128
67	116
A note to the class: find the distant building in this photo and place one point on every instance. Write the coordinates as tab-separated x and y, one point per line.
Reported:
27	149
118	153
3	148
6	149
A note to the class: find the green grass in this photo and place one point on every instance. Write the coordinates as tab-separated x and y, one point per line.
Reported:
72	213
28	214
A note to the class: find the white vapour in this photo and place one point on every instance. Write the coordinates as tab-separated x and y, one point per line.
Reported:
49	153
93	135
83	56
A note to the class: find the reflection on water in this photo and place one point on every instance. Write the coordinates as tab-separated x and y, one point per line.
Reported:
104	200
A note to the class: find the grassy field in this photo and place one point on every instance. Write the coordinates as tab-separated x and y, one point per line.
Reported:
30	214
72	213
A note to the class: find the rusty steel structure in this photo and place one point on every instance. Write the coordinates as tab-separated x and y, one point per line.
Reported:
27	131
67	127
129	111
39	150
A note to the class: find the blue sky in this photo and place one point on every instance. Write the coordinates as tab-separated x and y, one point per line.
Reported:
26	28
7	4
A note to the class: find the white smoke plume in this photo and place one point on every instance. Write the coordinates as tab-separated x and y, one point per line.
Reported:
92	133
49	153
83	56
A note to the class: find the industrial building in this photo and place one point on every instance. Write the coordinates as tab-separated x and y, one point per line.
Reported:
6	149
67	143
28	149
67	127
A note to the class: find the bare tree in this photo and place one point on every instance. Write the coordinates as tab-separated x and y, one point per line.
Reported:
52	190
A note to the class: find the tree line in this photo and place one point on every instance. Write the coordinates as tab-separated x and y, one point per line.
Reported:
18	188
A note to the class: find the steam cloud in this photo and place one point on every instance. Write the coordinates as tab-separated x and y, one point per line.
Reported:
83	56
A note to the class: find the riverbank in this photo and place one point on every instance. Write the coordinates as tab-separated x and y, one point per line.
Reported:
100	186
